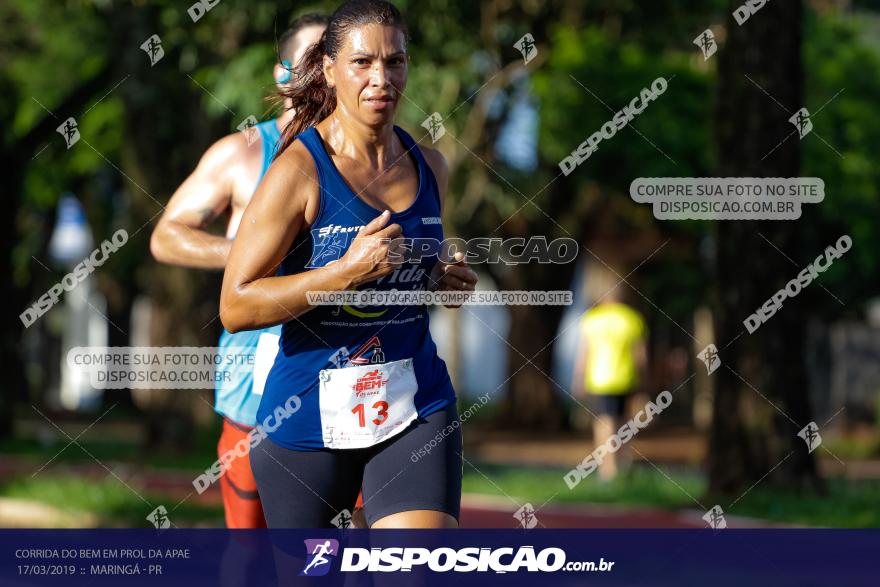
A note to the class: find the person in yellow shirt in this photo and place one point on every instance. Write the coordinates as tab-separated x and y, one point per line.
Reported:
610	365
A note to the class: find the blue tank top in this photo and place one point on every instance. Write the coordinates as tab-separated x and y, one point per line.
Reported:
234	394
328	337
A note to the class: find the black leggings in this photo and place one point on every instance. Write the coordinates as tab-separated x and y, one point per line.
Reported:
418	469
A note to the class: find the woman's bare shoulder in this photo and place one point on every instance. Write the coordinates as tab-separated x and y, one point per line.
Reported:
298	178
437	161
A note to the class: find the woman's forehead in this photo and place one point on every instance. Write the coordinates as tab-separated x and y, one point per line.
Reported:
374	39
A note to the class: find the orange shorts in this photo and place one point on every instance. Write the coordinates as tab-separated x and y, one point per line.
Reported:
241	502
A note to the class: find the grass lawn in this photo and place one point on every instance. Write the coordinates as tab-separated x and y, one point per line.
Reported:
113	503
849	504
203	453
641	486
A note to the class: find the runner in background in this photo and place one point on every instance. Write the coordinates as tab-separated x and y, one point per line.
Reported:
610	363
223	182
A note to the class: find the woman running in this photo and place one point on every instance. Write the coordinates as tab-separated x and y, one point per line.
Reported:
357	395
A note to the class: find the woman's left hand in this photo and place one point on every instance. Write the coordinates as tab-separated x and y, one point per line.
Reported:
454	276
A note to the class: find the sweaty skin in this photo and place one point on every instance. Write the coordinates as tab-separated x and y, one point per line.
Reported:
223	182
371	66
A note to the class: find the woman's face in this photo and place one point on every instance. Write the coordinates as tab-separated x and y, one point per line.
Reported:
369	73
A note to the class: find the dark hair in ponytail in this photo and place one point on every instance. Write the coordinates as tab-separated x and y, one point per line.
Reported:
310	96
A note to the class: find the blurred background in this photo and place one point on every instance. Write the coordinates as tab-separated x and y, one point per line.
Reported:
74	456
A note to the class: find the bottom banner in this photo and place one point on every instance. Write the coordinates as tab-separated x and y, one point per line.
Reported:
233	558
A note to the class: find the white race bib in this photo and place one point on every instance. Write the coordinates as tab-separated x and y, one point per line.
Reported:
267	349
363	405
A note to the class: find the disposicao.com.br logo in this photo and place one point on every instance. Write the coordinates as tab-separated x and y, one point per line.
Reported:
321	552
443	559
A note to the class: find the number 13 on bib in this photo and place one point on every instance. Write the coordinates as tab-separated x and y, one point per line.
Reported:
363	405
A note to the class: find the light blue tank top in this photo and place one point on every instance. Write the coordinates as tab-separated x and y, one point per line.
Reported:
333	337
234	395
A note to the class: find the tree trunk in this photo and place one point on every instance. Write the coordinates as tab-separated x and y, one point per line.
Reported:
535	398
749	435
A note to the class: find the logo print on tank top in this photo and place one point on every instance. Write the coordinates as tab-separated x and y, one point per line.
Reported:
330	243
369	353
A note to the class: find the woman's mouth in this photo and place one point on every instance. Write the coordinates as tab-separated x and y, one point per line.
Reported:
380	102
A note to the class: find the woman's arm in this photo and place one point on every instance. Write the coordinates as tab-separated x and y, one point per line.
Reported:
180	237
252	296
579	372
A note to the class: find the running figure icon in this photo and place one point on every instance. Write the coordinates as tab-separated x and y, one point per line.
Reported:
318	556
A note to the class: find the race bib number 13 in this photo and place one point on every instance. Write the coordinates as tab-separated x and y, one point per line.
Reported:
363	405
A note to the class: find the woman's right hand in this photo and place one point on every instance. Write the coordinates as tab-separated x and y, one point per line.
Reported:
376	251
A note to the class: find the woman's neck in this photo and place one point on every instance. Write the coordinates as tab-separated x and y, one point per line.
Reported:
373	146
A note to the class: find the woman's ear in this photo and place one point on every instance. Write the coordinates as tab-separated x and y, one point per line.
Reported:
328	71
282	72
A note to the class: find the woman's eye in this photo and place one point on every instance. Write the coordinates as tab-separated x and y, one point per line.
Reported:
361	61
